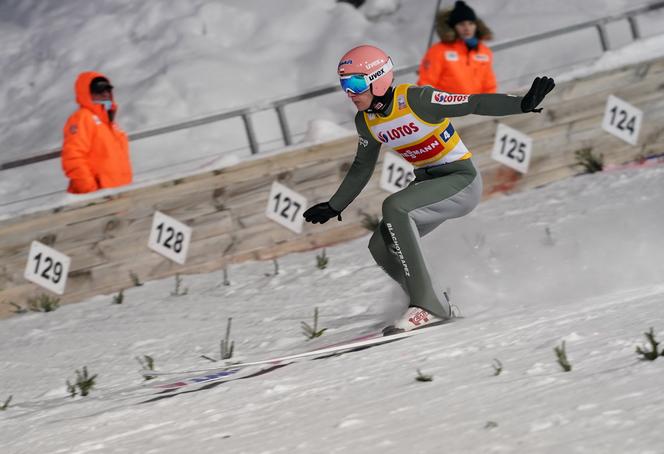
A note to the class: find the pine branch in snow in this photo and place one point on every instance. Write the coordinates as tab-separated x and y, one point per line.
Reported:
179	291
590	162
84	383
423	377
5	406
312	332
653	353
43	303
562	357
276	269
119	298
497	367
322	260
147	363
135	279
227	345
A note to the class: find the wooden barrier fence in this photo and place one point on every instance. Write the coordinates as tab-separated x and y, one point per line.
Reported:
107	238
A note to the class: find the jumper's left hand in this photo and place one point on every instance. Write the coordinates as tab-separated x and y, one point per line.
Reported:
539	89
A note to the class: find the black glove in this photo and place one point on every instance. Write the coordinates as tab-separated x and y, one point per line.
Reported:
541	86
321	213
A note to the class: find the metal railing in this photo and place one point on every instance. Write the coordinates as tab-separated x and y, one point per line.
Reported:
278	105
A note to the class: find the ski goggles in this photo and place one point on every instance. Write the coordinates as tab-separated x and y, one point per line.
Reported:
359	83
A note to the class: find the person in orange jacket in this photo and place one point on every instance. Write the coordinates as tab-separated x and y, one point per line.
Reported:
460	62
95	151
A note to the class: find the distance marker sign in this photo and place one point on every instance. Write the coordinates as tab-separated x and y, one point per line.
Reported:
512	148
397	173
47	267
622	119
169	237
285	207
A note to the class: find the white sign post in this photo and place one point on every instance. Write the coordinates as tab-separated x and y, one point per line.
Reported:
622	119
396	174
47	267
512	148
285	207
169	237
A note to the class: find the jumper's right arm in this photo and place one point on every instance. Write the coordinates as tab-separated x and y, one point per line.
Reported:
368	150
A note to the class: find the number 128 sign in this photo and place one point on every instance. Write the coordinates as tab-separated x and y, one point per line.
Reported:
285	207
169	237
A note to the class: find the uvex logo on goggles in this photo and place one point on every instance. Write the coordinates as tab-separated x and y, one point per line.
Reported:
359	83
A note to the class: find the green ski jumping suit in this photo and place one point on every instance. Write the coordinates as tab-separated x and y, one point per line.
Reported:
415	124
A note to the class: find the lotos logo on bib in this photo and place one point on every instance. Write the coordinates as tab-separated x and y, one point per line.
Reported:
440	97
398	132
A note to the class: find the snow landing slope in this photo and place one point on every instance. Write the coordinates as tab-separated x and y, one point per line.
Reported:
578	261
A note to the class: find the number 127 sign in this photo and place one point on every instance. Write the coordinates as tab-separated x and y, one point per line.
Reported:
285	207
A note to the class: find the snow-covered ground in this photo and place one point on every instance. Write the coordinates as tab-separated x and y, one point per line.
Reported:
173	60
578	261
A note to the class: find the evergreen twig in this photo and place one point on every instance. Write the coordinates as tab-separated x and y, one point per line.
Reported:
147	363
562	357
43	303
652	354
590	162
135	279
312	332
423	377
226	345
119	298
5	406
276	269
84	383
179	291
497	367
322	260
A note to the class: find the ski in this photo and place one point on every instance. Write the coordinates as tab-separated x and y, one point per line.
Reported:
237	371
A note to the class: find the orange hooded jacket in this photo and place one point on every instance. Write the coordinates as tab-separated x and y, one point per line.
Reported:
95	151
451	67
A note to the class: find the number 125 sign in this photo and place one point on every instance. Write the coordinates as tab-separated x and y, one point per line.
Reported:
285	207
512	148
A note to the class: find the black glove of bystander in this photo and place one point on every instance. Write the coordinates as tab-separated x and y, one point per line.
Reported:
321	213
539	89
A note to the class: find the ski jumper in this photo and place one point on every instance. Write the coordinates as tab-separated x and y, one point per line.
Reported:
416	125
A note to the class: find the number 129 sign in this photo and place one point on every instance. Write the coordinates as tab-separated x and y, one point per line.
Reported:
285	207
169	237
47	267
512	148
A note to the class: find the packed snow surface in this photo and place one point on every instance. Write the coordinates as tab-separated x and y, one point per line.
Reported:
578	261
